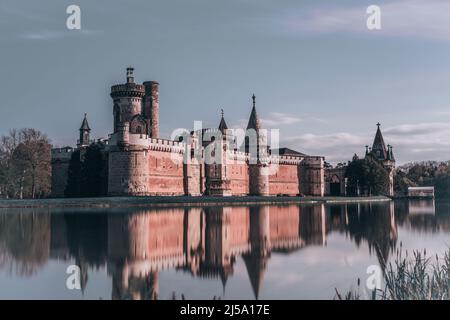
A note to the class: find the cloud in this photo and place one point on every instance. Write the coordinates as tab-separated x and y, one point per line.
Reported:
335	147
54	35
412	142
403	18
277	119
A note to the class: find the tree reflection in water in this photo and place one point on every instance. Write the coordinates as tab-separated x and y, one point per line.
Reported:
136	244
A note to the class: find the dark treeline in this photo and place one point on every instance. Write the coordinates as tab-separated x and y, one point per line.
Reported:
422	174
25	164
87	173
366	177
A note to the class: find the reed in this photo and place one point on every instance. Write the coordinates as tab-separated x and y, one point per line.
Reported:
415	277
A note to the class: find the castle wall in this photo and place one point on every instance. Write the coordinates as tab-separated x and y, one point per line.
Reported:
239	179
312	176
128	173
192	179
166	176
285	180
60	171
145	172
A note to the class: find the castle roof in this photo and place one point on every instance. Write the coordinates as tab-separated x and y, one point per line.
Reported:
85	124
223	125
289	152
379	147
254	122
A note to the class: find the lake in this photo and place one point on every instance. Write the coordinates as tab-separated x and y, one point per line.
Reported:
228	252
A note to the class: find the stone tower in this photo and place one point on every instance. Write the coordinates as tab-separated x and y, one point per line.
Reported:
127	100
84	140
385	156
256	146
217	174
151	108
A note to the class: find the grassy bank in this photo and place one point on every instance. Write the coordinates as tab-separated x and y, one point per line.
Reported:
158	201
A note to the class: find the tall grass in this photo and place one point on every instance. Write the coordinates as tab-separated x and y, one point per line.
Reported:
415	277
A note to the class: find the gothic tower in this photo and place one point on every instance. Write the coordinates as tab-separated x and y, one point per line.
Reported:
256	147
217	175
385	156
84	140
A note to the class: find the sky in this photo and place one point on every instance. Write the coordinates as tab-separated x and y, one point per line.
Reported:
319	75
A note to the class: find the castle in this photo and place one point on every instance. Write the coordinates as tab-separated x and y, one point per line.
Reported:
336	182
136	161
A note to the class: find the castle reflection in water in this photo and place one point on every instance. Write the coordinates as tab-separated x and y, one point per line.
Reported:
136	244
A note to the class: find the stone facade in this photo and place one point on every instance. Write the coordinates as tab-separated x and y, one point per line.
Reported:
203	162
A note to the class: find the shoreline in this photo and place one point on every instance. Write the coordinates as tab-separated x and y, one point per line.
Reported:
187	201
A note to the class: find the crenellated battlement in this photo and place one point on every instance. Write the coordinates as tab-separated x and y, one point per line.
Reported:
166	145
291	160
212	161
127	90
238	156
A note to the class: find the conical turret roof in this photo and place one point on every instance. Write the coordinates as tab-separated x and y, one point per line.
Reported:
254	122
379	147
223	125
85	124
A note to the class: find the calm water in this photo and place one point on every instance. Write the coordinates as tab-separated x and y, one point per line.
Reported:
269	252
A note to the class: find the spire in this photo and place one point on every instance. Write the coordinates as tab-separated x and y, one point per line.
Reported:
254	122
84	133
379	147
390	153
256	267
223	125
85	124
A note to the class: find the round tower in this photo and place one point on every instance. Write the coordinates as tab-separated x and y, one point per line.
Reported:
128	172
127	99
151	107
256	146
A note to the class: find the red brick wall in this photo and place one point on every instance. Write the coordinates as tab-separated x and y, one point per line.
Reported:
145	173
238	174
285	180
165	176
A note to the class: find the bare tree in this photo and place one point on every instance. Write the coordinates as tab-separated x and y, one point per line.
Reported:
25	164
